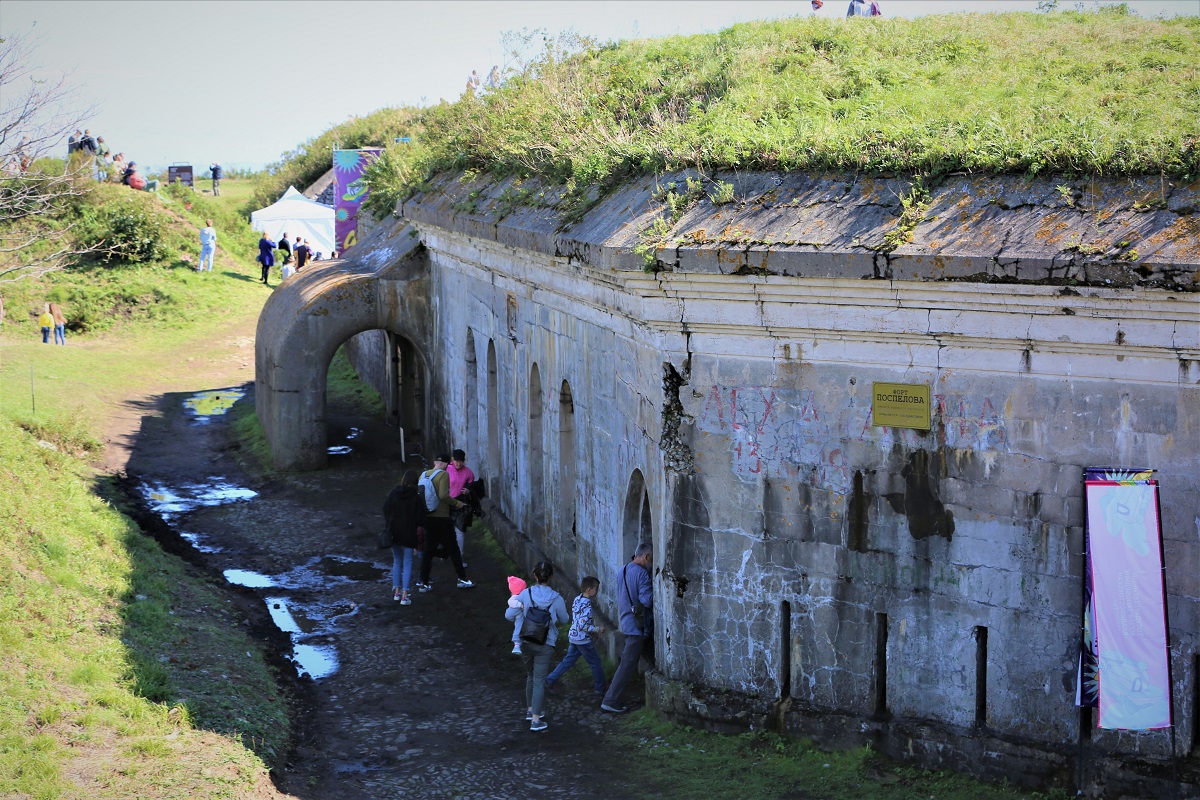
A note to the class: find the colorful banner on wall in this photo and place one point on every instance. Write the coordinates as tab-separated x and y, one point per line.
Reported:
1126	674
349	192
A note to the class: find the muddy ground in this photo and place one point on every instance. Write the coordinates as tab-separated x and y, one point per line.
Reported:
424	701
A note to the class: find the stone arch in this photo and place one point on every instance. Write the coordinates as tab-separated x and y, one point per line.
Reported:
385	287
536	454
637	524
567	490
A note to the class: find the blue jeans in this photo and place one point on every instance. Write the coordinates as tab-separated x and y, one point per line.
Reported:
60	334
537	664
206	254
45	336
574	651
402	560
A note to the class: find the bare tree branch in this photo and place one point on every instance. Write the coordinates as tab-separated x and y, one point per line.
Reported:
35	115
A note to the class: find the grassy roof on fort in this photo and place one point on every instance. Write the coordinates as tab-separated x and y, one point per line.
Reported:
1086	93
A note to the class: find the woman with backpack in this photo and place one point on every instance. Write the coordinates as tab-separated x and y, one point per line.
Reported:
403	513
544	610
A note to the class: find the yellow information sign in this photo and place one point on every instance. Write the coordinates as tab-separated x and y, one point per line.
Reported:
900	405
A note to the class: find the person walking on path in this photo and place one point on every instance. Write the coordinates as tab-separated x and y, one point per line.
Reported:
208	246
60	324
537	656
46	323
635	608
403	512
214	169
266	256
579	638
439	530
460	475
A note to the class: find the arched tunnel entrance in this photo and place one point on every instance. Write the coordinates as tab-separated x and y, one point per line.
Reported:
405	395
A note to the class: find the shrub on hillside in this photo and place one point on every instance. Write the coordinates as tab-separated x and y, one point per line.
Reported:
125	229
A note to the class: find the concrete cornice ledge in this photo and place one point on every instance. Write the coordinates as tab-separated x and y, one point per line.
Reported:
1117	233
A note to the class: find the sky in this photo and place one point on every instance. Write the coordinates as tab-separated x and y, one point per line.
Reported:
242	82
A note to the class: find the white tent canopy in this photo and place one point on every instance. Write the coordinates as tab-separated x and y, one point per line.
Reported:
298	216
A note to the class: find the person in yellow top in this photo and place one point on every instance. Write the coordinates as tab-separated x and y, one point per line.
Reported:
46	320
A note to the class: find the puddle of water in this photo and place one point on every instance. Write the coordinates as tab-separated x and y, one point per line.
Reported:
353	767
315	660
348	568
168	501
353	434
325	571
339	450
197	540
303	623
213	403
244	577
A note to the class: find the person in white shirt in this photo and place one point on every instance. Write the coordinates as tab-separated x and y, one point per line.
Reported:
208	246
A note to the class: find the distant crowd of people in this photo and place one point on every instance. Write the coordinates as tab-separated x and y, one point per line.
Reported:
285	251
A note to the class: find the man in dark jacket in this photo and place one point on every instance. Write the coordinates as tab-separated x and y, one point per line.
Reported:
285	247
215	170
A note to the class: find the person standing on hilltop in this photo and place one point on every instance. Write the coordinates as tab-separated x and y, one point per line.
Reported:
214	169
208	245
266	256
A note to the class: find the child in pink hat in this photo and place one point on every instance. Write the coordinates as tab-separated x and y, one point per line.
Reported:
515	587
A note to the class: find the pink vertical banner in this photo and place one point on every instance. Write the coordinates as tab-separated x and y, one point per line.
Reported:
1124	545
349	192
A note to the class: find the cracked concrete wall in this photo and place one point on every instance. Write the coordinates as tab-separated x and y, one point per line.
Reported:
526	309
799	546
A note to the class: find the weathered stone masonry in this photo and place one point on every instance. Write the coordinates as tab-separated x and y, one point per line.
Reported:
917	590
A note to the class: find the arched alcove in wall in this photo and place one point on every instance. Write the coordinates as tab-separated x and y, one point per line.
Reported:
471	400
637	525
536	523
493	465
567	491
406	399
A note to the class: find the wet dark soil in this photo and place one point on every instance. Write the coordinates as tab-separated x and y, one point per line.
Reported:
423	701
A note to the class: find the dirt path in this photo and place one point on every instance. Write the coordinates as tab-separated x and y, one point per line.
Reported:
426	701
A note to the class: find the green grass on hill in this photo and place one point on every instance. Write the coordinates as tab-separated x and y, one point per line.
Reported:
122	672
1102	93
115	676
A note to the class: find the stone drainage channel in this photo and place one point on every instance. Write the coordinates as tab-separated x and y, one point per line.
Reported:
309	625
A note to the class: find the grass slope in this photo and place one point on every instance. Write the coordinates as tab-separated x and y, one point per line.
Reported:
1074	92
123	673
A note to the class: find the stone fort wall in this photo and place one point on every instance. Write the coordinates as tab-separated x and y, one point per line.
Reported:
918	590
